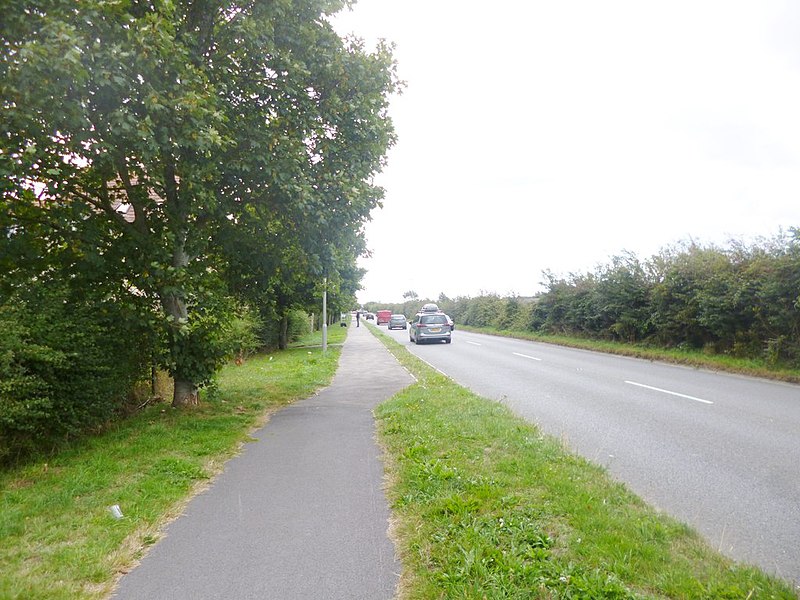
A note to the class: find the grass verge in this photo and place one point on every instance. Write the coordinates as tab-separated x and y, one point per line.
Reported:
58	538
487	507
692	358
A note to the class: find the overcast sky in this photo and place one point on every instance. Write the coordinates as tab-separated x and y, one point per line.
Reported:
539	135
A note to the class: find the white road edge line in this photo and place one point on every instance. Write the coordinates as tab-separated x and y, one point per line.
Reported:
655	389
526	356
437	369
473	343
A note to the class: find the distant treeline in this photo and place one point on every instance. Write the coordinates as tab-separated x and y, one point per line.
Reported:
742	300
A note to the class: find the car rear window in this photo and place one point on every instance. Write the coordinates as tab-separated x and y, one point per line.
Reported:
433	319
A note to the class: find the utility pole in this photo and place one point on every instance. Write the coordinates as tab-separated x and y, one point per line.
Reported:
325	315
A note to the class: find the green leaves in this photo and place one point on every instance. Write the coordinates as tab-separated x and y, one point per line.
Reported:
739	301
190	155
67	361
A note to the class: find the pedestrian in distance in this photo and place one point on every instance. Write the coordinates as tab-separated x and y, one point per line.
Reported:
358	318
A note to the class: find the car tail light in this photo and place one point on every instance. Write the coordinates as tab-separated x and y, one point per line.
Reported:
421	325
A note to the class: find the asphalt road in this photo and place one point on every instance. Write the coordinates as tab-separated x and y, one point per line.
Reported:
719	452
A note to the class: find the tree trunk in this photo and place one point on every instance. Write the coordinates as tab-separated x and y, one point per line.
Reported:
283	334
185	393
174	305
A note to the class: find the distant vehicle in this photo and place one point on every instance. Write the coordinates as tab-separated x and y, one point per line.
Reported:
434	326
397	321
369	316
383	316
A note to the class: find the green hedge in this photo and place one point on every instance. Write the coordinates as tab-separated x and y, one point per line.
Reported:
65	367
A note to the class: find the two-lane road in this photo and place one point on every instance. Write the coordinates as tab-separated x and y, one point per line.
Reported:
720	452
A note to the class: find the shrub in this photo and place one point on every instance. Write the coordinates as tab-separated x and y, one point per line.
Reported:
65	367
299	325
483	311
244	332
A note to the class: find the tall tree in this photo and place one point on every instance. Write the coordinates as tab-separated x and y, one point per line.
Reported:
154	129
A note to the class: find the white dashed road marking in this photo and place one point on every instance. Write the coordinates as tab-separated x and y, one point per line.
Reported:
655	389
526	356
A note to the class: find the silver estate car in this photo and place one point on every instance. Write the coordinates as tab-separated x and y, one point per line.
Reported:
434	326
397	321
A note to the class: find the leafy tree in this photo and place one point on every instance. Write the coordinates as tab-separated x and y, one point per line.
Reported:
769	283
457	309
483	311
621	299
566	307
508	314
689	301
172	136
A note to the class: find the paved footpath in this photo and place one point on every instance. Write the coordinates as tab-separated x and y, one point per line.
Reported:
301	513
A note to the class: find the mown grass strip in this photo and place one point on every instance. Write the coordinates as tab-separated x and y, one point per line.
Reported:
688	357
58	538
487	507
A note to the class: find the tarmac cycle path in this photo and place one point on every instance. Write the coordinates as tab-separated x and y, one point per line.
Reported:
300	513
